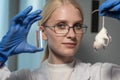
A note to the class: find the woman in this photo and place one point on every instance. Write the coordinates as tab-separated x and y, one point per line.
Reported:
62	27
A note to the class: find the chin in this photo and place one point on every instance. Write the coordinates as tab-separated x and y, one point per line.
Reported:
69	54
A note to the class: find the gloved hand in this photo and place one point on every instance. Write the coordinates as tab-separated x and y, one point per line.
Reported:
110	8
15	41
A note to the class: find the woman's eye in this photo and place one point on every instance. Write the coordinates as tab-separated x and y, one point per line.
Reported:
61	25
78	26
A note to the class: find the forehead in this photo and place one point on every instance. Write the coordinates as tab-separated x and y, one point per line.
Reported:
67	12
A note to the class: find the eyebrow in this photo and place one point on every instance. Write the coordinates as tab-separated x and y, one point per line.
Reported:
65	21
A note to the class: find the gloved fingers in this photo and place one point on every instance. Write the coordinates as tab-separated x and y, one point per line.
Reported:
31	22
108	5
32	49
22	14
38	49
24	47
114	14
116	8
31	16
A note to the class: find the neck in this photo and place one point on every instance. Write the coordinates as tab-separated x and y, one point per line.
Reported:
59	60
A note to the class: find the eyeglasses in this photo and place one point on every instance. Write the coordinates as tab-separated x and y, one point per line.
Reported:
63	28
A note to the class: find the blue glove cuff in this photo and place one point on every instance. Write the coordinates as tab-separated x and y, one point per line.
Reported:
2	60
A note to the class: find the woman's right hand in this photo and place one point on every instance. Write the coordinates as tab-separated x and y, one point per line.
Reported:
15	41
110	8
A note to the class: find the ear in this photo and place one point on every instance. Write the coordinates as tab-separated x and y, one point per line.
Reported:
44	35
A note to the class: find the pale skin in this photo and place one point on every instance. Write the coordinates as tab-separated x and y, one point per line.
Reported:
63	48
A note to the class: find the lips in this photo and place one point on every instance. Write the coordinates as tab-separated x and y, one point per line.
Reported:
69	44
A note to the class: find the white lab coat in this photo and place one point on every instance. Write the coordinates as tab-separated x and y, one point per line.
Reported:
83	71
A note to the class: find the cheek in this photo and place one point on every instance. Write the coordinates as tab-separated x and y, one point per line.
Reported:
53	40
54	44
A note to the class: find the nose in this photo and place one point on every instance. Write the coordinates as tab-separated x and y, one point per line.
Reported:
71	33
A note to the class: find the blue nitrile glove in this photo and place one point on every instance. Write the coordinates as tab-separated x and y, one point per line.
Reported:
110	8
15	41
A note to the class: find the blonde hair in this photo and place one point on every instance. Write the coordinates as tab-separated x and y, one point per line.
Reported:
49	8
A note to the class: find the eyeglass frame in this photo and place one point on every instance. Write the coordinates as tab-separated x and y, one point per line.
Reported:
68	28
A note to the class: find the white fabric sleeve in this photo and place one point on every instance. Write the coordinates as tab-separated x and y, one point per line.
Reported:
110	71
23	74
4	73
116	73
104	71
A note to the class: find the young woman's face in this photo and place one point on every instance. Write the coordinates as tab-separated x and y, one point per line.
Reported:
67	44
